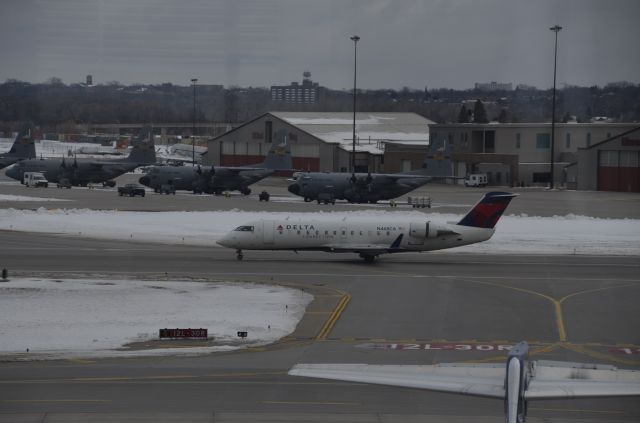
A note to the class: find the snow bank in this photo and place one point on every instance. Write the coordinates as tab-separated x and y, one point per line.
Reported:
521	234
55	318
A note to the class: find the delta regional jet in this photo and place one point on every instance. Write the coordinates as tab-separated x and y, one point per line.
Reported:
373	238
516	383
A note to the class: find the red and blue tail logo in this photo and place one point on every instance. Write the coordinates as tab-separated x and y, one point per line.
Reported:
486	213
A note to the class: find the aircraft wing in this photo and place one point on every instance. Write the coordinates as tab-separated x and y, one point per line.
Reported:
486	380
235	170
556	380
368	248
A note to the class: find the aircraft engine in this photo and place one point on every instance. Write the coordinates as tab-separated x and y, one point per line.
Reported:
423	230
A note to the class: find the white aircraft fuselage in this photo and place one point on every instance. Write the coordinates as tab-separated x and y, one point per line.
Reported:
349	235
370	237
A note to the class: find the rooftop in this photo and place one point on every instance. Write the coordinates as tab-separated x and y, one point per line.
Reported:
372	129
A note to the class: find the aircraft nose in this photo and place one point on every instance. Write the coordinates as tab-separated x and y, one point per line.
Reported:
226	241
145	180
13	172
294	189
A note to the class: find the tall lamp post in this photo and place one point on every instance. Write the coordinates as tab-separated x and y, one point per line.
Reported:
193	129
355	40
555	29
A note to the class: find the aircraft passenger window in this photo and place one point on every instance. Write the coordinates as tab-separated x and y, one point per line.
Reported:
352	233
344	232
334	232
378	233
317	232
326	232
244	228
388	233
360	233
298	232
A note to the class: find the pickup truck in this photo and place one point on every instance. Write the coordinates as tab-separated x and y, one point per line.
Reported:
131	190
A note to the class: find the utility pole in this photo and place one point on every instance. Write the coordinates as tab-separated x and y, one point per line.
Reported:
355	40
555	29
193	129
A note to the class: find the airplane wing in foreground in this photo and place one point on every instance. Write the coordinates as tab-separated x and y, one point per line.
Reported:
549	380
486	380
554	379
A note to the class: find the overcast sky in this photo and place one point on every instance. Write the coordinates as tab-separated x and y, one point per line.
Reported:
414	43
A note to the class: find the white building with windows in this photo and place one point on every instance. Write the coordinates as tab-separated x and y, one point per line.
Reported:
516	153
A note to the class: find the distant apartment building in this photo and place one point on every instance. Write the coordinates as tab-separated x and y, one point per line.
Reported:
308	92
494	86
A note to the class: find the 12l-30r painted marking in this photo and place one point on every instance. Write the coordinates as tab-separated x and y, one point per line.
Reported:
439	346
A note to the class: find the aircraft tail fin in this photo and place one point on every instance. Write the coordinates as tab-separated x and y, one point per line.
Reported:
487	211
24	146
279	155
144	149
438	162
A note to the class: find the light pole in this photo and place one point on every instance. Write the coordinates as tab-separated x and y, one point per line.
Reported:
555	29
355	40
193	129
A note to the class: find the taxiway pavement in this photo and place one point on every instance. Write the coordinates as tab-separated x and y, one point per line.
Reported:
405	309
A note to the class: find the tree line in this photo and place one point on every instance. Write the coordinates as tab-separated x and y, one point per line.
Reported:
54	106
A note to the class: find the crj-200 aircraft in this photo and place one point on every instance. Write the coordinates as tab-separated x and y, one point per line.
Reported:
215	180
23	148
516	383
370	238
372	187
80	172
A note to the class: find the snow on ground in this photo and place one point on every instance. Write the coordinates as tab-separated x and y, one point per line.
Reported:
81	318
7	197
522	234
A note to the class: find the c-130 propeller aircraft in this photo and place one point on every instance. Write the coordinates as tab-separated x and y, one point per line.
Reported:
80	172
328	187
216	179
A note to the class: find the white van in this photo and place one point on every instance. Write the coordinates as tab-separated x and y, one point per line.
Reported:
35	179
476	180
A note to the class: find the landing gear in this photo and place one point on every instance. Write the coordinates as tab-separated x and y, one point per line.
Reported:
368	258
239	255
245	191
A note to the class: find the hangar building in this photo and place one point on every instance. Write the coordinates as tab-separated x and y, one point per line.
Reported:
322	141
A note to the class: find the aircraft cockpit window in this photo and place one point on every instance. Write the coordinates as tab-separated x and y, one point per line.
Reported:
244	228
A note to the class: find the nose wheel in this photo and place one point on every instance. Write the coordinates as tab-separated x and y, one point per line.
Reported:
239	255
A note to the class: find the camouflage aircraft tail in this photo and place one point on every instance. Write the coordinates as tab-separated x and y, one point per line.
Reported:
24	146
144	149
279	155
438	163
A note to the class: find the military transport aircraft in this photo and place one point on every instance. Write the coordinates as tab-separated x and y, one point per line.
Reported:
370	238
372	187
23	148
215	180
516	383
80	172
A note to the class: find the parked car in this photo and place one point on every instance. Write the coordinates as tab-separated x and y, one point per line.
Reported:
168	189
131	190
64	183
476	180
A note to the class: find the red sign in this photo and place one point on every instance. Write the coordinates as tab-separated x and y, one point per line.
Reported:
628	142
184	333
